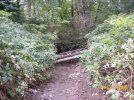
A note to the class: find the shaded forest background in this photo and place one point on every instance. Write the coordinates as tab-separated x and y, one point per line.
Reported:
67	20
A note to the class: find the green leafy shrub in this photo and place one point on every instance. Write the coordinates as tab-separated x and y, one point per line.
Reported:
24	58
34	28
110	58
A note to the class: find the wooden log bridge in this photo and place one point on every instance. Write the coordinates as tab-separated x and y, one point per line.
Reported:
70	55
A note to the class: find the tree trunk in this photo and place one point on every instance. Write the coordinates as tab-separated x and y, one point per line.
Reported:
83	20
18	3
98	8
72	8
29	8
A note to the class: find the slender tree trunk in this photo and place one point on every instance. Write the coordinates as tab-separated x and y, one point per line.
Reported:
18	4
34	7
29	8
72	8
83	15
117	10
98	8
131	4
78	5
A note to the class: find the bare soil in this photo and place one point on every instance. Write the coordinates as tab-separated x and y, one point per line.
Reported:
68	82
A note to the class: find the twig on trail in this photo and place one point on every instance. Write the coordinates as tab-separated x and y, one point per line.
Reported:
126	80
1	97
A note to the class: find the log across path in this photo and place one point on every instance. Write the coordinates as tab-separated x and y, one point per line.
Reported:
68	82
69	55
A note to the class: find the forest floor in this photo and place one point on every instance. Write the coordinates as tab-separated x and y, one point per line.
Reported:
68	82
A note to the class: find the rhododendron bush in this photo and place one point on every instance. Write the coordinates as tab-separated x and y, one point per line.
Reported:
24	58
110	58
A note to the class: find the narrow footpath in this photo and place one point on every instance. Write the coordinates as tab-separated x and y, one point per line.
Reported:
68	82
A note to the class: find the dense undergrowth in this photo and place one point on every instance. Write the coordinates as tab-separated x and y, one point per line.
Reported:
24	58
110	58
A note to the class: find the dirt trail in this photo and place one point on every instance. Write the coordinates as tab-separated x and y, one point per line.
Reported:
68	82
